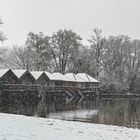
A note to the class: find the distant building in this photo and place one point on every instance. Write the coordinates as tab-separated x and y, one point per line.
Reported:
24	76
7	77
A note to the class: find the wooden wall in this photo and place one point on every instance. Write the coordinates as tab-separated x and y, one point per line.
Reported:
27	78
9	78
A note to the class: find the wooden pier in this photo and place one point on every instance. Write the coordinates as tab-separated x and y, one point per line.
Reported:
71	92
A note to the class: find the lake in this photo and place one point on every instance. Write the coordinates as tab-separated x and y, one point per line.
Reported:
115	111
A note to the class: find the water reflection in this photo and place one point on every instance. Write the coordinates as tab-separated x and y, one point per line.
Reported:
116	111
123	112
120	112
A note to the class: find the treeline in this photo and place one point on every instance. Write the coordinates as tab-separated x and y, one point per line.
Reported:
113	60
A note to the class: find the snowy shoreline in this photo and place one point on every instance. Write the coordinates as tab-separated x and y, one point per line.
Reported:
18	127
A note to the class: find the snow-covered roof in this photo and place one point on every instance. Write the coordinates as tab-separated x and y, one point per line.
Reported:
87	78
19	73
3	71
79	79
58	76
74	77
70	77
51	76
36	74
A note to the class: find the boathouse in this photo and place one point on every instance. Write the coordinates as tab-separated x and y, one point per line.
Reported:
80	82
69	80
75	80
7	77
24	76
55	79
89	82
40	78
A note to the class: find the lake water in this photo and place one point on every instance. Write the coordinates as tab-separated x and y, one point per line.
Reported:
116	111
119	111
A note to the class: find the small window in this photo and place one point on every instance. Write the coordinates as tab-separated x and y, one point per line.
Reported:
87	84
58	83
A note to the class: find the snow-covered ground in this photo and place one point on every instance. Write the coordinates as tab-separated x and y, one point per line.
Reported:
18	127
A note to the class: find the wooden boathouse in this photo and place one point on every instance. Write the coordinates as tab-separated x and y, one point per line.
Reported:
54	79
69	83
7	76
69	80
24	76
22	91
40	78
49	80
88	81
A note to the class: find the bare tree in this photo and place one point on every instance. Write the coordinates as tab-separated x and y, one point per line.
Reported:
84	62
2	36
64	49
133	64
116	56
19	57
97	48
39	46
2	50
3	55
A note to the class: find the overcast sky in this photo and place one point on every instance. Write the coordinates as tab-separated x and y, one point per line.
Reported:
112	16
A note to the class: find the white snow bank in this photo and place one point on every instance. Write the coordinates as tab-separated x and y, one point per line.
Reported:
18	127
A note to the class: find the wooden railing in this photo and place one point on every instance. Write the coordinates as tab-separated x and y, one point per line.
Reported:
18	87
40	88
